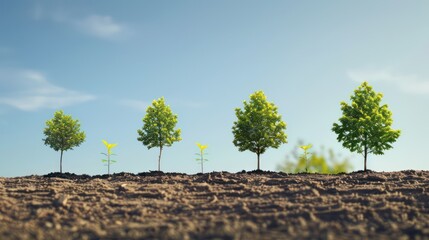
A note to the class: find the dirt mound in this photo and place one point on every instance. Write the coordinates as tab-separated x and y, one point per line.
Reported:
218	205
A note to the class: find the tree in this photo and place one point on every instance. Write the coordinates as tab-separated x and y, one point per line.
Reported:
158	127
318	162
258	126
365	126
63	133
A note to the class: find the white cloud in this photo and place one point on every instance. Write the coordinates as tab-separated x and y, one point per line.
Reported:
412	84
102	26
29	90
135	104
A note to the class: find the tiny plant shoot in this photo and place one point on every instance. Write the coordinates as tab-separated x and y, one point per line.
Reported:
365	126
317	162
158	127
305	155
201	155
108	161
258	126
62	134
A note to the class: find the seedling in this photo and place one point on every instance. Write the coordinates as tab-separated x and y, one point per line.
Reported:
201	155
109	161
318	162
305	155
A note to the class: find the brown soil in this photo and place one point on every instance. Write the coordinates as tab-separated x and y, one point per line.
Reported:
262	205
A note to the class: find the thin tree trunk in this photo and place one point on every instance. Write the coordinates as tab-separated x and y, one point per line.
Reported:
159	159
365	157
61	162
258	161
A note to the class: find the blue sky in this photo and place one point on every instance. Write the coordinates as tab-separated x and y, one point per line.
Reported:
103	62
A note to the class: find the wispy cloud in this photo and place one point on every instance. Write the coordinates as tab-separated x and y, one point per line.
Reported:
101	26
30	90
135	104
412	84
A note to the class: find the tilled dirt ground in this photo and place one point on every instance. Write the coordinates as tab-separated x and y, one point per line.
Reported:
253	205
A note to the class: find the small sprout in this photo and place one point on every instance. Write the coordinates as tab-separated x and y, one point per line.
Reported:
201	155
305	155
323	162
109	161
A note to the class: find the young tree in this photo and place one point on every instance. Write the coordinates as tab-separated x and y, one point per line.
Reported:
158	127
258	126
63	133
365	126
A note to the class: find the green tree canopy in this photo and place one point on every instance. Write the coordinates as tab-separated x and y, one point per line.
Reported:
63	133
318	162
365	126
158	127
258	126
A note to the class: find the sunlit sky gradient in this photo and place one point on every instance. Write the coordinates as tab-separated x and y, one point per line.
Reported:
103	62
